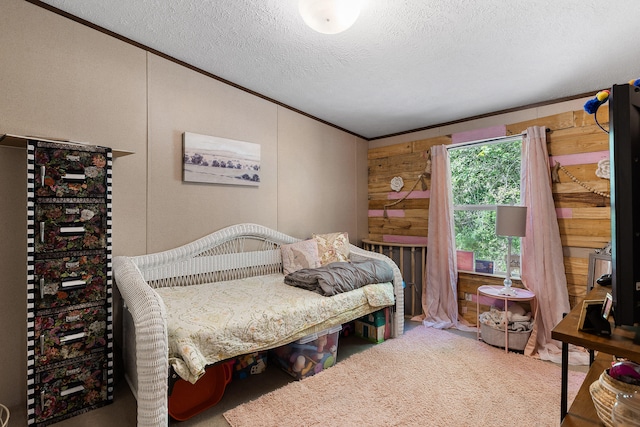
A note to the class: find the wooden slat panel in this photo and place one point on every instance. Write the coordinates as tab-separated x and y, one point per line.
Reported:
576	280
578	140
571	251
603	213
584	227
582	172
601	185
405	204
385	187
580	200
399	163
375	237
557	121
408	176
390	150
395	225
576	265
595	242
416	216
577	291
426	144
582	118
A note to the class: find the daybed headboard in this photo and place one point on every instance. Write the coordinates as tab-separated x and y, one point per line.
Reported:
235	252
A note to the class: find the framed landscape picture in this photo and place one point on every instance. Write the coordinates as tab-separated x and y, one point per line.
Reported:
214	160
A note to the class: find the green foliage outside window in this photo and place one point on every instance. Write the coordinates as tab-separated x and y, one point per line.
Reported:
483	176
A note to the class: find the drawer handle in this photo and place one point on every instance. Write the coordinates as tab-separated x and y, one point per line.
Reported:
71	319
71	337
72	230
42	288
71	372
74	177
42	232
71	390
43	173
73	283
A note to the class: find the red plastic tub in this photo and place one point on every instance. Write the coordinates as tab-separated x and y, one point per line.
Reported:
188	399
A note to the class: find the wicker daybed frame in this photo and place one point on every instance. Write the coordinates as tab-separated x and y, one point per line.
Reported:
235	252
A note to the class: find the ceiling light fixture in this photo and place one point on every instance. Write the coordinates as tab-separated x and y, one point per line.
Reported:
329	16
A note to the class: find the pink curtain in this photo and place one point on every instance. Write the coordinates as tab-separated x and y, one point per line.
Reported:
542	257
439	301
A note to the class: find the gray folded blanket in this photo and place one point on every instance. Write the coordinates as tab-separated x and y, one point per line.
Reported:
338	277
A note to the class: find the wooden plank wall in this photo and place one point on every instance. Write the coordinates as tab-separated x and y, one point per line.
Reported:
574	140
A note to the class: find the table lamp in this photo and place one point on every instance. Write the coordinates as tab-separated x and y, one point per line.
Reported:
511	222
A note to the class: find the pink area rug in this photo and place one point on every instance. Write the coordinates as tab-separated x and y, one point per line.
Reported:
427	377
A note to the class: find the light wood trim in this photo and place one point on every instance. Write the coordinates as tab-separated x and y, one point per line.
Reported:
19	141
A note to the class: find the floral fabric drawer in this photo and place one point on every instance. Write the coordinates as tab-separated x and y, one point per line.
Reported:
70	226
70	280
70	387
69	334
69	173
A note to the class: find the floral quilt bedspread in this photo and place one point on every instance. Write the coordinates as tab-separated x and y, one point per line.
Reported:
212	322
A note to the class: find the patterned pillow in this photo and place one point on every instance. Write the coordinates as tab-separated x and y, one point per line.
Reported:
332	247
300	255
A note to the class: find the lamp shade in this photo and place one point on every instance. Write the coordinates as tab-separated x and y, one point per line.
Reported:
511	221
329	16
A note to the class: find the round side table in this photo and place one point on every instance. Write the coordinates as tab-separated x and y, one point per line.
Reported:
494	292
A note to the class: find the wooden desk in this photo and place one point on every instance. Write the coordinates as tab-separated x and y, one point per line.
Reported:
620	344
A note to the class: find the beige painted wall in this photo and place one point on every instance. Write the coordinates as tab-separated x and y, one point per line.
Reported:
60	79
184	100
321	173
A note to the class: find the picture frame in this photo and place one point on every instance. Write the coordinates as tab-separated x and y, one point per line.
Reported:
465	260
589	306
214	160
484	266
606	306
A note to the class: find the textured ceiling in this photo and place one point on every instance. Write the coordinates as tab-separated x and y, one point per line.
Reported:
404	65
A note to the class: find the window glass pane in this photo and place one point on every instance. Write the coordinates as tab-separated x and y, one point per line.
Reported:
483	176
487	174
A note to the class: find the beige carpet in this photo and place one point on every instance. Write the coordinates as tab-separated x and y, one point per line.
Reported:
428	377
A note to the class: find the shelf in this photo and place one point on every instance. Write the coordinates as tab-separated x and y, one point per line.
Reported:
19	141
619	343
582	411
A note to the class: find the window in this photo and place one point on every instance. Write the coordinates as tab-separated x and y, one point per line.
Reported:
484	174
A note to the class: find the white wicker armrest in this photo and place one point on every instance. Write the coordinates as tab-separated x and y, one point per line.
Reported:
149	319
397	321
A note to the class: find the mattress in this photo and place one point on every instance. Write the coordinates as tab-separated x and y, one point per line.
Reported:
212	322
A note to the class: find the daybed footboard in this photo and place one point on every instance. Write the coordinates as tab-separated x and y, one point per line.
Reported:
221	256
150	330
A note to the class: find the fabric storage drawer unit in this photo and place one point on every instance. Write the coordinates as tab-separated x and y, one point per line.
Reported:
69	280
69	334
70	226
70	172
70	387
66	280
309	355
